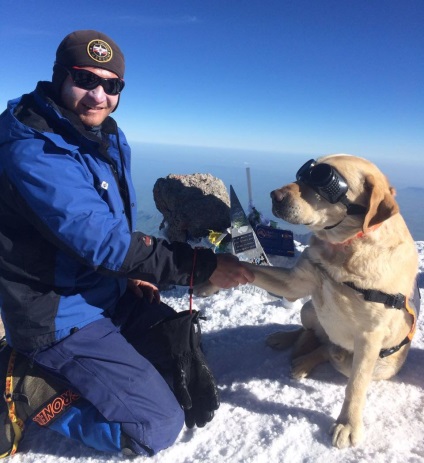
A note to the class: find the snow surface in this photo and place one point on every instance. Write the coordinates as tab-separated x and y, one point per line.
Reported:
265	415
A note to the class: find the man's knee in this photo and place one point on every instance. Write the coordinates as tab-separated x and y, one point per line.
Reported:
152	437
84	423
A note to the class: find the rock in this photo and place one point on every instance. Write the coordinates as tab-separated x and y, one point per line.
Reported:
192	205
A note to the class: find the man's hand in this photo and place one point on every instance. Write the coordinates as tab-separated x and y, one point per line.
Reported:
144	289
230	272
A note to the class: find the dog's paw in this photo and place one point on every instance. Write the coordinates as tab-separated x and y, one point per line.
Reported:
283	339
300	367
205	289
346	435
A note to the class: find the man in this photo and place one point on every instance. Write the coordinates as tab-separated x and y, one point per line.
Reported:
77	281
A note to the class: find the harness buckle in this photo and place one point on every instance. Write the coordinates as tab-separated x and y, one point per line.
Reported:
396	301
386	352
392	350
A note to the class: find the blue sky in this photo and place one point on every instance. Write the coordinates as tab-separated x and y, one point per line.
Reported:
299	76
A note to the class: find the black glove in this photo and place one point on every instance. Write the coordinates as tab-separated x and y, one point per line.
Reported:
193	383
202	387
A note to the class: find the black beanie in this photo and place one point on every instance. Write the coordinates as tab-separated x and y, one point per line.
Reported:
87	48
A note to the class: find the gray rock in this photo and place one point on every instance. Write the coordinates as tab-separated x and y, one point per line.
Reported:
192	205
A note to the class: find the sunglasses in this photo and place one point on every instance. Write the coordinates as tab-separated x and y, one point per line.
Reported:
88	81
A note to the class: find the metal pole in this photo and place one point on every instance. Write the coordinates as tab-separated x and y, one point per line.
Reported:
249	186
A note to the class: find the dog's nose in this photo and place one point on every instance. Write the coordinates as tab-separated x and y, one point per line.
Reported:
276	195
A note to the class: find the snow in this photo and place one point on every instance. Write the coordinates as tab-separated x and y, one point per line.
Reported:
265	415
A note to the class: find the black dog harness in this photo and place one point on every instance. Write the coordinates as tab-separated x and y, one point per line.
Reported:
393	301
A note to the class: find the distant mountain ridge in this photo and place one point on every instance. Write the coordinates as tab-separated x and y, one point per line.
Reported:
268	171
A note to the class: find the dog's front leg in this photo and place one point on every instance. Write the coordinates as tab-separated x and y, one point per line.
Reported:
294	283
349	429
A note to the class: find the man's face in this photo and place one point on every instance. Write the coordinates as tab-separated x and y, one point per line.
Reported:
91	106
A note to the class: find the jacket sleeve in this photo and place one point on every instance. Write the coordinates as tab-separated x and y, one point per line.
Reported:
157	260
57	194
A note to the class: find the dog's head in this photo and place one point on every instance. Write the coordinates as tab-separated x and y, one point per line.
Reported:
337	194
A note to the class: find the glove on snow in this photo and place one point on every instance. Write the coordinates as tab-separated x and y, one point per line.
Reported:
202	387
193	382
25	390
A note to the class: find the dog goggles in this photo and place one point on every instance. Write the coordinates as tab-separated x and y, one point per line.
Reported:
323	179
328	183
88	81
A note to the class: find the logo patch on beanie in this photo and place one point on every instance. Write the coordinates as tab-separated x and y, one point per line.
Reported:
99	51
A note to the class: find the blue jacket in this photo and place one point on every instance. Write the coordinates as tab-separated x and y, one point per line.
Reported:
67	224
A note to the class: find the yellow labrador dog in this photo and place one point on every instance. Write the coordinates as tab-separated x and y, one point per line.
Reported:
359	269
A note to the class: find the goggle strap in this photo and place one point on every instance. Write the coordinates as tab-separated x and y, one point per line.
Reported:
352	208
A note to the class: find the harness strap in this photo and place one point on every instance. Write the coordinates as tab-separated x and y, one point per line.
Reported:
410	335
391	301
17	424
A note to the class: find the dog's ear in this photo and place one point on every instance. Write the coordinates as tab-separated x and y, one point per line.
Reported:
382	204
